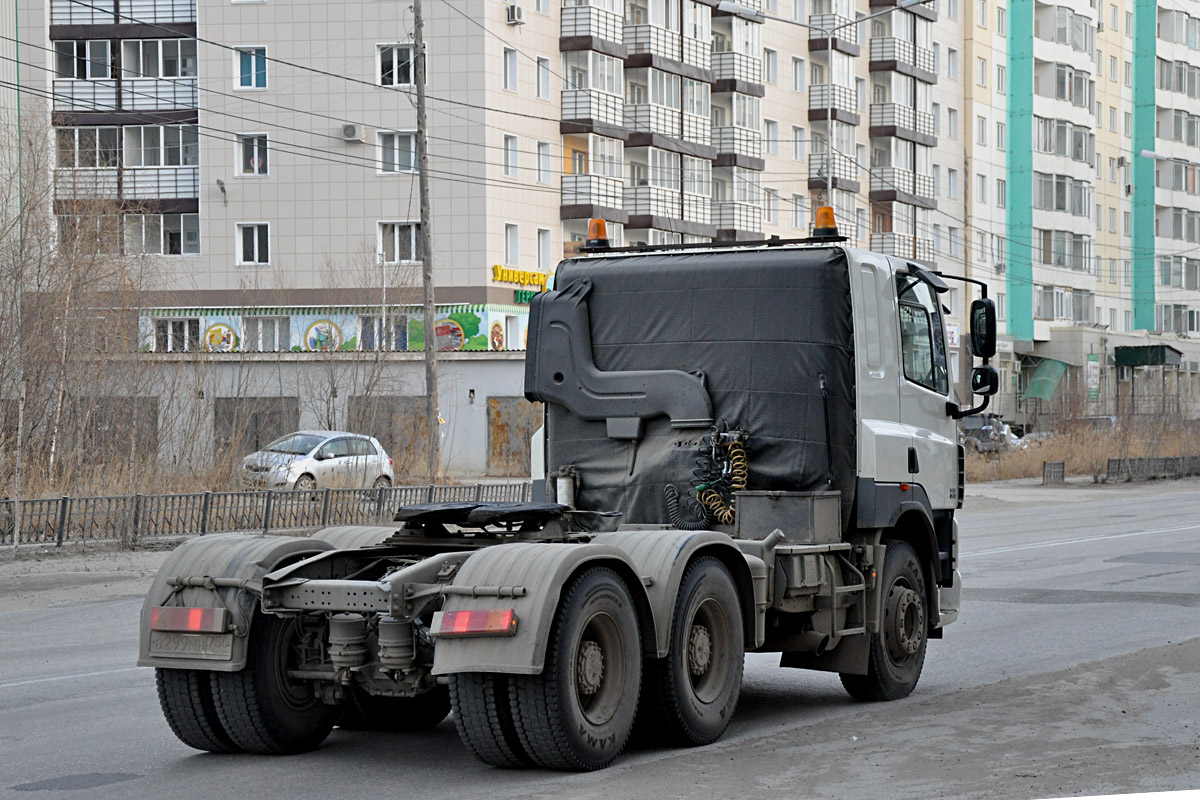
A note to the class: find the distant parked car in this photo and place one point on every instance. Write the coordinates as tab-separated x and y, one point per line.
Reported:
309	460
986	433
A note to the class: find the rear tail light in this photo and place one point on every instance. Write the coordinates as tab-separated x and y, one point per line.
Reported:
485	622
189	620
390	462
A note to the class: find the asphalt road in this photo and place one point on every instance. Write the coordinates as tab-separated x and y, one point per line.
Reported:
1075	669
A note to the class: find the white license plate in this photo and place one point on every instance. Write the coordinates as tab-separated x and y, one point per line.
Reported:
217	646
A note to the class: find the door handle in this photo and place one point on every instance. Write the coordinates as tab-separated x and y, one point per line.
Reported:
913	465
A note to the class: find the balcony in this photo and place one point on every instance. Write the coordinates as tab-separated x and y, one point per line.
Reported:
737	216
591	104
698	53
103	12
590	21
843	167
162	183
897	244
76	96
900	116
843	98
892	179
904	52
137	94
697	129
843	28
740	141
582	190
697	208
86	184
653	200
648	118
652	39
730	66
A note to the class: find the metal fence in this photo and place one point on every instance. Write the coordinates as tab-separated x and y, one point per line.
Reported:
131	518
1126	469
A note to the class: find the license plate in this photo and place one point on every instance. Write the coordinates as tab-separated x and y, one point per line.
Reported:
217	646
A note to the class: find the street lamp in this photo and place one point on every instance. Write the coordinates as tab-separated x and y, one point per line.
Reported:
733	7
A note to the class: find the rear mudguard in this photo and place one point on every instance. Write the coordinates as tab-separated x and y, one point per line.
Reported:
238	557
652	564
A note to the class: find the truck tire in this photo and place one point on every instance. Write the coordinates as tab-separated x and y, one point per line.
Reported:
187	702
364	712
694	690
261	708
578	713
483	716
898	650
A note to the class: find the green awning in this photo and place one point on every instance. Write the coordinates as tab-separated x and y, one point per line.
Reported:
1148	355
1045	380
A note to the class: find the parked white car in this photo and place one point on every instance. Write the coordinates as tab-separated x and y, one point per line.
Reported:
308	460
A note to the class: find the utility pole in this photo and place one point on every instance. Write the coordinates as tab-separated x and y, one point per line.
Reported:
431	391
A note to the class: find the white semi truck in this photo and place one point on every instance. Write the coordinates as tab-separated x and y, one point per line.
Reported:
748	448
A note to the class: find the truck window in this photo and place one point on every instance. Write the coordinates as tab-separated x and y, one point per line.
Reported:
921	344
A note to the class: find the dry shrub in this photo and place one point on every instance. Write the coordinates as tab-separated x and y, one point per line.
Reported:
1086	452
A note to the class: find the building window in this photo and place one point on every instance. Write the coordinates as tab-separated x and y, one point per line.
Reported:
395	64
771	137
162	234
799	217
952	9
87	148
771	206
543	162
952	122
176	335
982	69
544	249
399	242
953	237
937	180
981	130
162	146
798	143
952	183
982	15
937	119
798	75
512	244
1001	79
253	243
251	67
397	151
1001	21
88	60
980	193
158	58
1001	193
1000	136
510	69
252	153
267	334
510	156
543	78
770	66
951	63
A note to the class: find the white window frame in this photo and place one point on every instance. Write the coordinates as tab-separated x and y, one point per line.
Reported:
545	249
512	244
379	48
509	80
545	161
380	150
252	340
414	244
511	154
543	78
244	139
250	49
239	235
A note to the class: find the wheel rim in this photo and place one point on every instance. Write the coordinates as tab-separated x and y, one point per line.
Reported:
599	674
707	664
298	695
905	627
305	483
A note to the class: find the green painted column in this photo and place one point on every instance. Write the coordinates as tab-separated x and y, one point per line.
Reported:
1145	32
1019	170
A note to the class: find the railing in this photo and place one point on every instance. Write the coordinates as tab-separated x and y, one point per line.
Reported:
148	183
697	52
742	216
594	105
86	184
73	95
697	128
728	66
897	244
697	208
902	117
158	11
653	119
742	141
654	200
652	39
578	190
843	28
66	12
589	21
130	518
886	179
158	94
1128	469
892	49
821	165
844	97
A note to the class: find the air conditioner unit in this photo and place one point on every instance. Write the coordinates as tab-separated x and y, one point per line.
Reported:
1128	189
353	132
1099	27
516	15
1001	266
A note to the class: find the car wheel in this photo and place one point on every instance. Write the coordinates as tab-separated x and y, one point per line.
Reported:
305	483
381	482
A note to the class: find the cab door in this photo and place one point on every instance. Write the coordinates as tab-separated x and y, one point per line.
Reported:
925	391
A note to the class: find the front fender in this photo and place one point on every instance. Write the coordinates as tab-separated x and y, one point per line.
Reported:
662	557
234	556
543	569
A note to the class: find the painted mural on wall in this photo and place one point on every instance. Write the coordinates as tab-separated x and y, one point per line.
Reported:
222	334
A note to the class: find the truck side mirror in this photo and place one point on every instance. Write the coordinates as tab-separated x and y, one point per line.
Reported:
983	330
985	380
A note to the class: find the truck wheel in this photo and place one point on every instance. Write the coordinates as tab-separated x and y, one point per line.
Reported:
696	687
483	716
364	712
579	712
898	650
187	702
261	708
